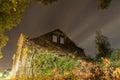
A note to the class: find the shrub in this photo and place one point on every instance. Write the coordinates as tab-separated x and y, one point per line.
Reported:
49	66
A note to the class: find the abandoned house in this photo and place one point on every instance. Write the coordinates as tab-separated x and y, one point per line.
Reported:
55	41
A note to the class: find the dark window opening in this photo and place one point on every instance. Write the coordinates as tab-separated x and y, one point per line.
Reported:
54	38
62	40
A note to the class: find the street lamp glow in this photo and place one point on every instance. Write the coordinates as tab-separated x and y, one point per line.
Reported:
1	75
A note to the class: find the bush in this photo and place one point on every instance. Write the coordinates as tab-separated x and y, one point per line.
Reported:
49	66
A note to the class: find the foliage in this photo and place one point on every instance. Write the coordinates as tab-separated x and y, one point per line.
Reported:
3	40
5	75
103	48
115	58
103	4
116	54
11	12
45	2
49	66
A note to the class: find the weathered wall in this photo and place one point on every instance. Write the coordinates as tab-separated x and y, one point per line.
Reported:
16	57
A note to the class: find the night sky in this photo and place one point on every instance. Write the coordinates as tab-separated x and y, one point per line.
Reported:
79	19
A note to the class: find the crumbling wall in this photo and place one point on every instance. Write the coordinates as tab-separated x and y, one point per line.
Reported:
17	55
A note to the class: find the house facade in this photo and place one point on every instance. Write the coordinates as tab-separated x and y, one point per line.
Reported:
55	41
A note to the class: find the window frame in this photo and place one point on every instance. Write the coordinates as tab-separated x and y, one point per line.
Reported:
61	40
54	38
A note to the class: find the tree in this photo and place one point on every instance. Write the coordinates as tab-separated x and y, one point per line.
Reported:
103	48
103	4
11	14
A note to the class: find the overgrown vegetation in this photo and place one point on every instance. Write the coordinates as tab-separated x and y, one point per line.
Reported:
49	66
103	47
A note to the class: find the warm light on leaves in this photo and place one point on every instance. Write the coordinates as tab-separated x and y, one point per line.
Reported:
50	66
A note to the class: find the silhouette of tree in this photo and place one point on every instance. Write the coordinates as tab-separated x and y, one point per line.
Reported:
103	4
103	48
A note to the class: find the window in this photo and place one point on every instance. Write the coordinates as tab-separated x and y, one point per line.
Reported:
54	38
61	40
